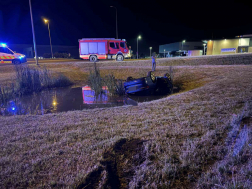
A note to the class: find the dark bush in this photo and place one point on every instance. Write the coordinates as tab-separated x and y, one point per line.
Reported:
60	55
47	55
29	80
95	80
115	86
60	81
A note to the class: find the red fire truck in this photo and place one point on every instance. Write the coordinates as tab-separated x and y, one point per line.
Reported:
103	48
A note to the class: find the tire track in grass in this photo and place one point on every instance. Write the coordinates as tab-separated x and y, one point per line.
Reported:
119	164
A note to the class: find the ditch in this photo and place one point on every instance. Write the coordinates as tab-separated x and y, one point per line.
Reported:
68	99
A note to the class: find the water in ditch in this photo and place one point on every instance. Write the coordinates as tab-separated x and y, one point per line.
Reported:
67	99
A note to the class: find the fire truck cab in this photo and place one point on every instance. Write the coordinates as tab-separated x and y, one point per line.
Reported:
103	48
9	56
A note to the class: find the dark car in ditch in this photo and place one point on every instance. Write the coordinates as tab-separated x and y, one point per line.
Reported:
150	85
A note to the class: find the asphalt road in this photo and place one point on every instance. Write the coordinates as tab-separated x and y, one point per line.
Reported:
32	61
61	60
52	61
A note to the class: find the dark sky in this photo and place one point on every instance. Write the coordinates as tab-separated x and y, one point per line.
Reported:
158	22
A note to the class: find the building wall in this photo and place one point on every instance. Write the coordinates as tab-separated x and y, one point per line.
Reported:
195	53
169	47
250	42
250	49
178	46
222	44
244	41
209	48
191	46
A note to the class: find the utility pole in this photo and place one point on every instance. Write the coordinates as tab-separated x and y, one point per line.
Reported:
139	37
116	22
33	34
47	21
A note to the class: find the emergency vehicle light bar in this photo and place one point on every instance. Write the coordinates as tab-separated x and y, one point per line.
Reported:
101	39
98	38
3	44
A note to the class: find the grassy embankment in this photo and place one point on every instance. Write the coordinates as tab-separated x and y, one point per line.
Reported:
187	140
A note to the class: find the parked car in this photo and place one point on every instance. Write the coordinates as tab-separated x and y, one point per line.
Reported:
150	85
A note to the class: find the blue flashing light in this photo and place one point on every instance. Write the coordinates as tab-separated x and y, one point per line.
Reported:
13	108
3	44
20	57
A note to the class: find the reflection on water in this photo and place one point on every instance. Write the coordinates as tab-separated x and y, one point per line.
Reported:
60	100
66	99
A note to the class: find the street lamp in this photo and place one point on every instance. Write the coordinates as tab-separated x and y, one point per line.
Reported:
164	53
116	22
33	34
182	43
150	51
47	21
204	47
139	37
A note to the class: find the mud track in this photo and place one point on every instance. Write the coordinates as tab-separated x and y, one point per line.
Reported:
117	167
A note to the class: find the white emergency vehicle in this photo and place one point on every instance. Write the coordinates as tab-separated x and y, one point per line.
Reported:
9	56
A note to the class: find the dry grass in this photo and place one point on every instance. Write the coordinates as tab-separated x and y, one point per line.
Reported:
184	136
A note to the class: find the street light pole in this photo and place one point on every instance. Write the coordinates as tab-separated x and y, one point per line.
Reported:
204	48
139	37
137	48
164	53
33	34
182	43
116	22
150	51
47	21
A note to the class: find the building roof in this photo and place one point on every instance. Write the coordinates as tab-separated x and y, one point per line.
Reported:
239	36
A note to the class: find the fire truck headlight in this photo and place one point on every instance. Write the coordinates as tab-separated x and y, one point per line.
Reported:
22	56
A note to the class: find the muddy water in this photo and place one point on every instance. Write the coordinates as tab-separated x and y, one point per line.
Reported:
66	99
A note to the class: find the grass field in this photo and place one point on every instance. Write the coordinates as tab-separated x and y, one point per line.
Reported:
200	137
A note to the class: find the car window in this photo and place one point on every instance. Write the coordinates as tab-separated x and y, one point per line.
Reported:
122	44
5	50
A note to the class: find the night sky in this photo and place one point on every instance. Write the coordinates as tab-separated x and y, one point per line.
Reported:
157	22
